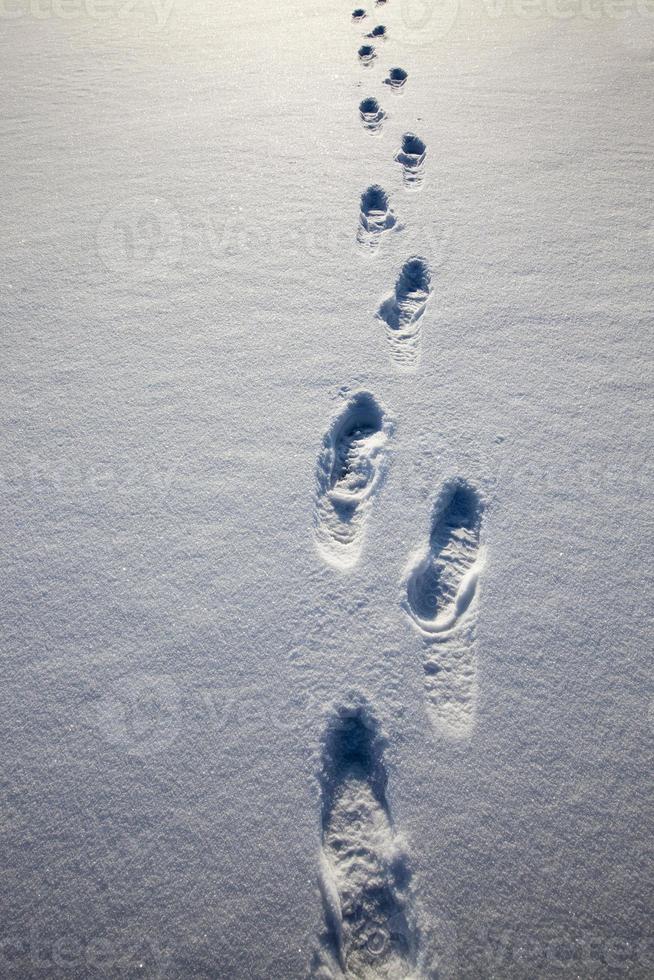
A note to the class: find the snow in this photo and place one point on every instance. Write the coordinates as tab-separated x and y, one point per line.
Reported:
187	313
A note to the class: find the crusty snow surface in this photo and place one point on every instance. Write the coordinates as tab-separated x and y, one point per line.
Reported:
326	580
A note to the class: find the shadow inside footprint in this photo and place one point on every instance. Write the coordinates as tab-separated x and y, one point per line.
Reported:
358	14
396	79
375	218
367	54
412	159
372	115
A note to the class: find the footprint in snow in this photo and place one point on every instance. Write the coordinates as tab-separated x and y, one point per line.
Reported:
358	14
372	116
379	33
412	160
402	312
364	873
350	470
396	80
441	587
367	55
375	218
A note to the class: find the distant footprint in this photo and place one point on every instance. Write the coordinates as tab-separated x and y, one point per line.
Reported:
375	218
412	159
372	116
380	3
367	55
396	79
402	312
351	466
378	32
364	872
441	590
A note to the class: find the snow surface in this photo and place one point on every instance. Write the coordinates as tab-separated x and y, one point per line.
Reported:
186	312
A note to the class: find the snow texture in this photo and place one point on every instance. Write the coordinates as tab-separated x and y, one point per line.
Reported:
326	581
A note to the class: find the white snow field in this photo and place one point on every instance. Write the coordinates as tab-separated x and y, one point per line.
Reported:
326	533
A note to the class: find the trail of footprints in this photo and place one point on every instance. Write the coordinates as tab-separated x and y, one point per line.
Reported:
365	881
401	313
